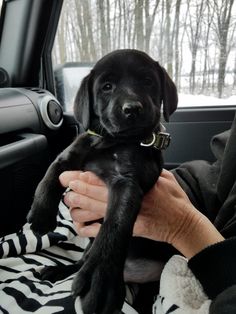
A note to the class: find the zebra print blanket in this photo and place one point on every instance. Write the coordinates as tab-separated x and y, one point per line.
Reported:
24	255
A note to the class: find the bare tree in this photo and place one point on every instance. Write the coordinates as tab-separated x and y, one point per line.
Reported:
223	9
176	37
234	71
149	21
103	11
160	36
139	25
194	33
208	23
168	39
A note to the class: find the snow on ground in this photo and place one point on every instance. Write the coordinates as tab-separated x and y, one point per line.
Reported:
188	100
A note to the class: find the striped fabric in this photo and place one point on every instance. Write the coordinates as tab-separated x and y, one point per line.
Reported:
24	255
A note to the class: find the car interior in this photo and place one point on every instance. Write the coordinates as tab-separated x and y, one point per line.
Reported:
35	123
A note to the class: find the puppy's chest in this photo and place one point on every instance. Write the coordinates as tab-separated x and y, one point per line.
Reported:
133	162
110	161
116	163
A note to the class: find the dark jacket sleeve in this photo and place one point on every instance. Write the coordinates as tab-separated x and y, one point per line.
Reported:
215	268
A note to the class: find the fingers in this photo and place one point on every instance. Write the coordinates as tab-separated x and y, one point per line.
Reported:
167	175
67	176
86	200
83	215
90	231
85	183
167	183
90	178
74	200
89	188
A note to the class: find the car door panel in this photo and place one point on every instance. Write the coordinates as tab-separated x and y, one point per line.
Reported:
191	132
25	153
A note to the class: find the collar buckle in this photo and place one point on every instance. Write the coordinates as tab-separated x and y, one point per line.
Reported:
160	141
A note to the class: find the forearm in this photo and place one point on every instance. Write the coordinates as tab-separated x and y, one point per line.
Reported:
196	233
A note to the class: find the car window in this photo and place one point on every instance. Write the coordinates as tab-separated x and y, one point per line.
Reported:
193	39
0	6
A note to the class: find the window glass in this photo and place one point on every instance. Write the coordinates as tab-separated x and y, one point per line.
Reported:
195	40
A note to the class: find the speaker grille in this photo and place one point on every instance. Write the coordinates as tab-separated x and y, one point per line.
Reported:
51	112
54	112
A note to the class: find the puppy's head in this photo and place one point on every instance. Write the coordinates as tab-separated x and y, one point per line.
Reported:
123	93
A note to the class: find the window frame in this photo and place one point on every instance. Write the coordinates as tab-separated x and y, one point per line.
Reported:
28	59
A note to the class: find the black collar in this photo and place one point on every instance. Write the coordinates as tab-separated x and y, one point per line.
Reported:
158	140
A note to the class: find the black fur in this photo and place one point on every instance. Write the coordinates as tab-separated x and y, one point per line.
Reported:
121	100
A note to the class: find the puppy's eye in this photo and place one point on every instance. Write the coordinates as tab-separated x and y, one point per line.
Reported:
107	87
147	81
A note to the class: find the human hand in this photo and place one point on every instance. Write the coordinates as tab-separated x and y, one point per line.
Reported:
166	214
87	200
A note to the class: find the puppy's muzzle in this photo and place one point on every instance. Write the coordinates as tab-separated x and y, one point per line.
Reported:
132	109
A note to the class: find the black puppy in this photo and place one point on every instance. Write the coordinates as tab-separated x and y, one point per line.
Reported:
120	101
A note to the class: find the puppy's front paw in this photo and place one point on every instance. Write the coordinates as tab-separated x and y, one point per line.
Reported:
42	217
59	272
100	286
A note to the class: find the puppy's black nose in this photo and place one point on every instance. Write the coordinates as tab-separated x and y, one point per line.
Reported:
132	109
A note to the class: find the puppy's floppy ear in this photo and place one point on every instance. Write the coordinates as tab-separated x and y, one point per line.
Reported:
84	101
169	93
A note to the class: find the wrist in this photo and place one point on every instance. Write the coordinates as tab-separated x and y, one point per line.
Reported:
196	234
